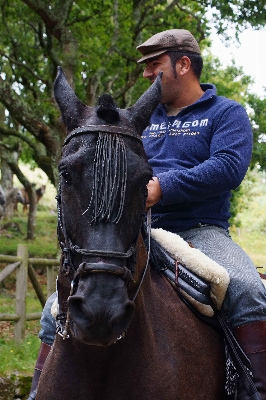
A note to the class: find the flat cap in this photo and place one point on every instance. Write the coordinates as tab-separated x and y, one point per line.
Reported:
170	40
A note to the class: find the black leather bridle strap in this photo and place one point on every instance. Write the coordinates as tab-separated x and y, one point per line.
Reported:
86	268
102	128
148	252
103	253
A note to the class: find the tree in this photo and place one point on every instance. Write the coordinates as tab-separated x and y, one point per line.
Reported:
258	120
95	43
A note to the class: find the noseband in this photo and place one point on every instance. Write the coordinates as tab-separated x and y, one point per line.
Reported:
126	272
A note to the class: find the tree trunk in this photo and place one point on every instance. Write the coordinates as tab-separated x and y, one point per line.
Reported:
6	176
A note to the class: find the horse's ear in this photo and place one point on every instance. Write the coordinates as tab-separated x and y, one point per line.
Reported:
73	111
142	110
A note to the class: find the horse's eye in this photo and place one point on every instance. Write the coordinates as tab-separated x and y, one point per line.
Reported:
66	177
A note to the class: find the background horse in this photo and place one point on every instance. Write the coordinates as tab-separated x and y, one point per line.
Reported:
25	198
124	334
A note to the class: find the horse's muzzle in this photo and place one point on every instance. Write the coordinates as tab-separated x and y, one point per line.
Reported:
100	309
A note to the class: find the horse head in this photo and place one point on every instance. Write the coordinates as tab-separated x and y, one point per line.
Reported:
101	206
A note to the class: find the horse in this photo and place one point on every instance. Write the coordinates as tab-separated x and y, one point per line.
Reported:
25	197
10	200
123	331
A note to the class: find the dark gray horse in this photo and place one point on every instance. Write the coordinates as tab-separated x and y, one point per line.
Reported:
124	334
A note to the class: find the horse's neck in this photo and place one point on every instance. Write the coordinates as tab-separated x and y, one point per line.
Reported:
156	297
162	339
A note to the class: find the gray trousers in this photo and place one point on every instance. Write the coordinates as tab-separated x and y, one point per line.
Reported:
245	300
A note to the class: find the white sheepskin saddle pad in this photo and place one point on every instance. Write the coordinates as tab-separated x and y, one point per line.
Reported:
197	262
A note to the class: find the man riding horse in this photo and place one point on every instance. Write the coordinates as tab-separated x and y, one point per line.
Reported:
199	146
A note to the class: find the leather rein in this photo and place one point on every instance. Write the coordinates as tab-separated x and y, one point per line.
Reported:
126	273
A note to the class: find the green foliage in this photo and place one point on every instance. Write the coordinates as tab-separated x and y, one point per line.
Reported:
258	120
95	42
255	203
248	223
236	198
250	233
241	197
229	81
237	13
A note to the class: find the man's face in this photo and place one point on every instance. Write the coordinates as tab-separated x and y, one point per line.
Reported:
170	80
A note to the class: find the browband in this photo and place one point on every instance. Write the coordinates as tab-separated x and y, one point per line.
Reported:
102	128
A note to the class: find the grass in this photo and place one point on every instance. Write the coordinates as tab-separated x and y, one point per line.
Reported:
14	232
45	243
18	357
253	243
22	357
251	235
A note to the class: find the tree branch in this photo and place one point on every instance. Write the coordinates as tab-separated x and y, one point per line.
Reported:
25	117
12	132
25	66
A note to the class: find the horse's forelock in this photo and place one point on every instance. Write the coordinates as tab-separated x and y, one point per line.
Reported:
107	109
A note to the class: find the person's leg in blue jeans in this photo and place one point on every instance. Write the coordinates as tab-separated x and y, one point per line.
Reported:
47	336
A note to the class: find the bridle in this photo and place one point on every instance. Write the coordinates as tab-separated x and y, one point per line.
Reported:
126	272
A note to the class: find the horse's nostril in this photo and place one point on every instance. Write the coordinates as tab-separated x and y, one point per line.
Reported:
121	321
76	307
75	300
92	317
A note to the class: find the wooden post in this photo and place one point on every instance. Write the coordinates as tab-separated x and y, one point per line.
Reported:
21	292
50	280
36	285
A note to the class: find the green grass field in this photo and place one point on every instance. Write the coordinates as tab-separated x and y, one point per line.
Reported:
22	357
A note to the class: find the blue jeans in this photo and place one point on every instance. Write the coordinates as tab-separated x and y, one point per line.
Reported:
245	300
48	326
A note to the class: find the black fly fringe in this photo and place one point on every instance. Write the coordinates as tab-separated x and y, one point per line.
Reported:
109	179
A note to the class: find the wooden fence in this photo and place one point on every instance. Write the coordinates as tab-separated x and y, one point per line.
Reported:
24	268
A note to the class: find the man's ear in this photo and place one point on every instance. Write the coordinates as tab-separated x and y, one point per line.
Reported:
183	65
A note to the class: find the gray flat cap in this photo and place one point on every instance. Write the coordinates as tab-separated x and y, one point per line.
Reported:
171	40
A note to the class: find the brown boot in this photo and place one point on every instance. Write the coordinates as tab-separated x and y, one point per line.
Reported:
43	353
252	338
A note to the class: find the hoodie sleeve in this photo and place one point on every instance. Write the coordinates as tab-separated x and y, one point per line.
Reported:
223	171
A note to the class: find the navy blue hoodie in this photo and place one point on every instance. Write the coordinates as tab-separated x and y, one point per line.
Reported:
199	156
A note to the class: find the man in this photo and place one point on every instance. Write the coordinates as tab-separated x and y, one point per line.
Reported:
199	146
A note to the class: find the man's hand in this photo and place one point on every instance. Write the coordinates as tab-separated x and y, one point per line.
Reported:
154	192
